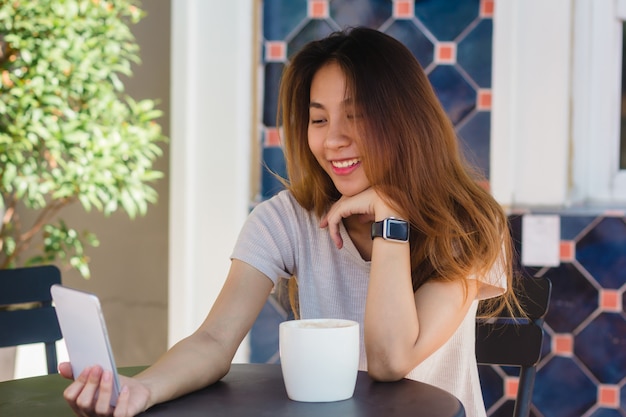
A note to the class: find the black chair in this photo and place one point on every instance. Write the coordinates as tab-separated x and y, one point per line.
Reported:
26	311
515	341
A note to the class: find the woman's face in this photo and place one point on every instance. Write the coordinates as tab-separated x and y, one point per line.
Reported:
333	127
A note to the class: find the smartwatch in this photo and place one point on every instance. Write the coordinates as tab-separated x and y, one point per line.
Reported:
391	229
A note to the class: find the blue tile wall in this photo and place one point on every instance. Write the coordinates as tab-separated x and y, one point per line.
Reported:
464	24
583	367
586	376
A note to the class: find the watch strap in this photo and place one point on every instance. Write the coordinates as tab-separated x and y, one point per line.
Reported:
377	229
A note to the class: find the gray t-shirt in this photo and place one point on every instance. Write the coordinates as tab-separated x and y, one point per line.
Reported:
281	239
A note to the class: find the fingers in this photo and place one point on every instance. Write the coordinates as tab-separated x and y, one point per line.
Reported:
87	396
333	229
123	403
90	395
91	392
65	369
103	403
74	391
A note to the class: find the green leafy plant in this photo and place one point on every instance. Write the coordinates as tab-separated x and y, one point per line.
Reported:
68	132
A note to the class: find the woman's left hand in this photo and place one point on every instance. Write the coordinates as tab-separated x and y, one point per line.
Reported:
367	205
362	204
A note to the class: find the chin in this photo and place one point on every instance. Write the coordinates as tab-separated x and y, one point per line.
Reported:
351	192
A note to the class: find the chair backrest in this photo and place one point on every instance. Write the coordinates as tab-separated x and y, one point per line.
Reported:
513	341
26	311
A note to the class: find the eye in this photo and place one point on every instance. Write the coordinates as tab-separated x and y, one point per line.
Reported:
316	119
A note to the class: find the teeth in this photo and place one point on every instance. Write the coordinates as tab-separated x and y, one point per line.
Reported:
345	164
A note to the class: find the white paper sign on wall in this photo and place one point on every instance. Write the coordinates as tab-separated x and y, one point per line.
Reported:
541	238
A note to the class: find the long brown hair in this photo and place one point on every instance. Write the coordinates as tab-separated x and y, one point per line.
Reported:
410	155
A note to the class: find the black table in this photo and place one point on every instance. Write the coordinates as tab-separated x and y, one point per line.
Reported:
247	390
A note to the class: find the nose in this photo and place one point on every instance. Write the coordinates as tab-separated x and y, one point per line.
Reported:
339	134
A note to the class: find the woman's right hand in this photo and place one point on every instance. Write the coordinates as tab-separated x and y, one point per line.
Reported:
90	393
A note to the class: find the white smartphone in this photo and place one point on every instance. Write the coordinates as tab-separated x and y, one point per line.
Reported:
84	331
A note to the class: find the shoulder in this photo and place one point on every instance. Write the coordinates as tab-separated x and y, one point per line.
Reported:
282	204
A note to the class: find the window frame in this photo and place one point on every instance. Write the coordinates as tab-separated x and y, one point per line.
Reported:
596	98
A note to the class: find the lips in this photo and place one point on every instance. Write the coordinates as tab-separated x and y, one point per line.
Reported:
346	163
345	166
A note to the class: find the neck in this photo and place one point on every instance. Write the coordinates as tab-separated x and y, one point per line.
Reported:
359	229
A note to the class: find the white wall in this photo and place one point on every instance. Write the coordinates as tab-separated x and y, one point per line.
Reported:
530	142
212	102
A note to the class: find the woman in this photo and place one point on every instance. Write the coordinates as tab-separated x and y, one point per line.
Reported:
381	222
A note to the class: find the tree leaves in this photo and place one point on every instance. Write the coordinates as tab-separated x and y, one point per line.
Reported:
68	131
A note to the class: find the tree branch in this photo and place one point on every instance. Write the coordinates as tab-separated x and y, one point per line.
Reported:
24	240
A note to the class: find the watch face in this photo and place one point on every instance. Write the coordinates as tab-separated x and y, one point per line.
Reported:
397	230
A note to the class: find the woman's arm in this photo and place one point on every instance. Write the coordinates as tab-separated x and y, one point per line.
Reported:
204	357
193	363
402	328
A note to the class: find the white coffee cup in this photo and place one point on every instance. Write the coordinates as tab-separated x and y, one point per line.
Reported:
319	358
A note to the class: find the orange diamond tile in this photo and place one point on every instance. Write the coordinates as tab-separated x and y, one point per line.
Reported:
511	385
275	51
403	9
484	100
445	53
563	344
610	300
318	9
272	137
567	250
608	396
486	8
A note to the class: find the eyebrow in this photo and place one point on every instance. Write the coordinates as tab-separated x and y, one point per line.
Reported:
346	102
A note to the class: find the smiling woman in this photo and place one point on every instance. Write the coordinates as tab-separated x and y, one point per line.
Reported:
355	181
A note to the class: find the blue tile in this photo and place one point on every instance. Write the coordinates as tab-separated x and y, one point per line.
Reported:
264	333
474	53
280	17
491	384
601	346
602	252
446	19
273	72
370	13
563	389
406	32
572	300
313	30
273	163
475	141
456	95
572	226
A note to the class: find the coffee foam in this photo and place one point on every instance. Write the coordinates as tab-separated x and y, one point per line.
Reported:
321	324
